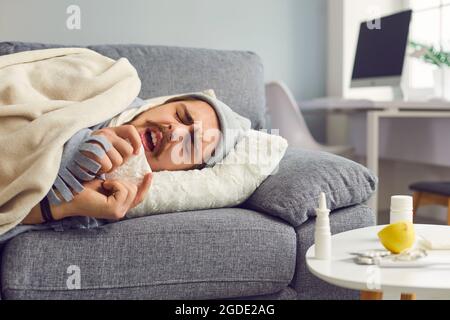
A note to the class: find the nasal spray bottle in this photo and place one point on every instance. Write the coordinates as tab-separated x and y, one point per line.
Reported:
322	233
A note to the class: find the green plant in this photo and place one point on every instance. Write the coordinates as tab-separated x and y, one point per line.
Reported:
430	54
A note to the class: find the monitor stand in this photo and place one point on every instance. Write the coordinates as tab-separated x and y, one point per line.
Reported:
398	94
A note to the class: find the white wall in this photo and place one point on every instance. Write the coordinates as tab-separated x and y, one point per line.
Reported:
289	35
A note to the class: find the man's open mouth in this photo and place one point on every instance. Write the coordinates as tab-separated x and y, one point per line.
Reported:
152	140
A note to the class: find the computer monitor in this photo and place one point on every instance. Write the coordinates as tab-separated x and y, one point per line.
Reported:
381	52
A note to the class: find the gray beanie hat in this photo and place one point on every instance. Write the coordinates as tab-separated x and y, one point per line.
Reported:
232	125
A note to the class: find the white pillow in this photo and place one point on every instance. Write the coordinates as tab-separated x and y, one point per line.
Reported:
227	184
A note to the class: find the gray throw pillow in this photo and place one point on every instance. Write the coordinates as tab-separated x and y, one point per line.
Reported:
292	192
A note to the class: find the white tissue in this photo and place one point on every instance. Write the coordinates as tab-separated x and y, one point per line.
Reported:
436	238
133	170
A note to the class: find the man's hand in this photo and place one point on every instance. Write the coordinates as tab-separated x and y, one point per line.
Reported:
121	149
109	199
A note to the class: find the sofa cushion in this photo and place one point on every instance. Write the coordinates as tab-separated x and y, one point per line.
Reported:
207	254
236	76
292	192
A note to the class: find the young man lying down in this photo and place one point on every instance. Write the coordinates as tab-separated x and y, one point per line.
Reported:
186	132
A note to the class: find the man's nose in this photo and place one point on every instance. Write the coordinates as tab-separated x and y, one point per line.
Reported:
177	131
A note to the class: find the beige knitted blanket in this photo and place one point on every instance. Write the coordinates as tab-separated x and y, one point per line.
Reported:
46	96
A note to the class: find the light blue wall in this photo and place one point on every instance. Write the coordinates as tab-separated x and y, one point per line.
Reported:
289	35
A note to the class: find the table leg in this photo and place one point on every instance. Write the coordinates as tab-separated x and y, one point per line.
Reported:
373	127
371	295
408	296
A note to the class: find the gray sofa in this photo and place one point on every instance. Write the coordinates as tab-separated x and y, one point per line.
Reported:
230	253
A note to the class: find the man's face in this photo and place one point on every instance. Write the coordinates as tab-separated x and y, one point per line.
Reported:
179	135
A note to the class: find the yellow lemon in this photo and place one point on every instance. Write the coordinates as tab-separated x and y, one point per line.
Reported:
398	236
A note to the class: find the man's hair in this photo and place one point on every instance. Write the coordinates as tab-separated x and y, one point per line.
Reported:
199	166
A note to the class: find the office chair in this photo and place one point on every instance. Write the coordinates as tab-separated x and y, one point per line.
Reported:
286	116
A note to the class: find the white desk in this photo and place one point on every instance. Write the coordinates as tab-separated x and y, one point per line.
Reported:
377	110
366	105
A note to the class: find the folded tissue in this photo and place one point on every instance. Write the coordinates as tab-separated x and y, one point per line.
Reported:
433	239
133	170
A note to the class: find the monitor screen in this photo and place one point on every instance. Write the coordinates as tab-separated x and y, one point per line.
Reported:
381	52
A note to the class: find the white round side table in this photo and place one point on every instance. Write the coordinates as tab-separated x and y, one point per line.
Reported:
372	280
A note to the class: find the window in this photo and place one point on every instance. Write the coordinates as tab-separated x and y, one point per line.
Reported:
430	25
446	25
